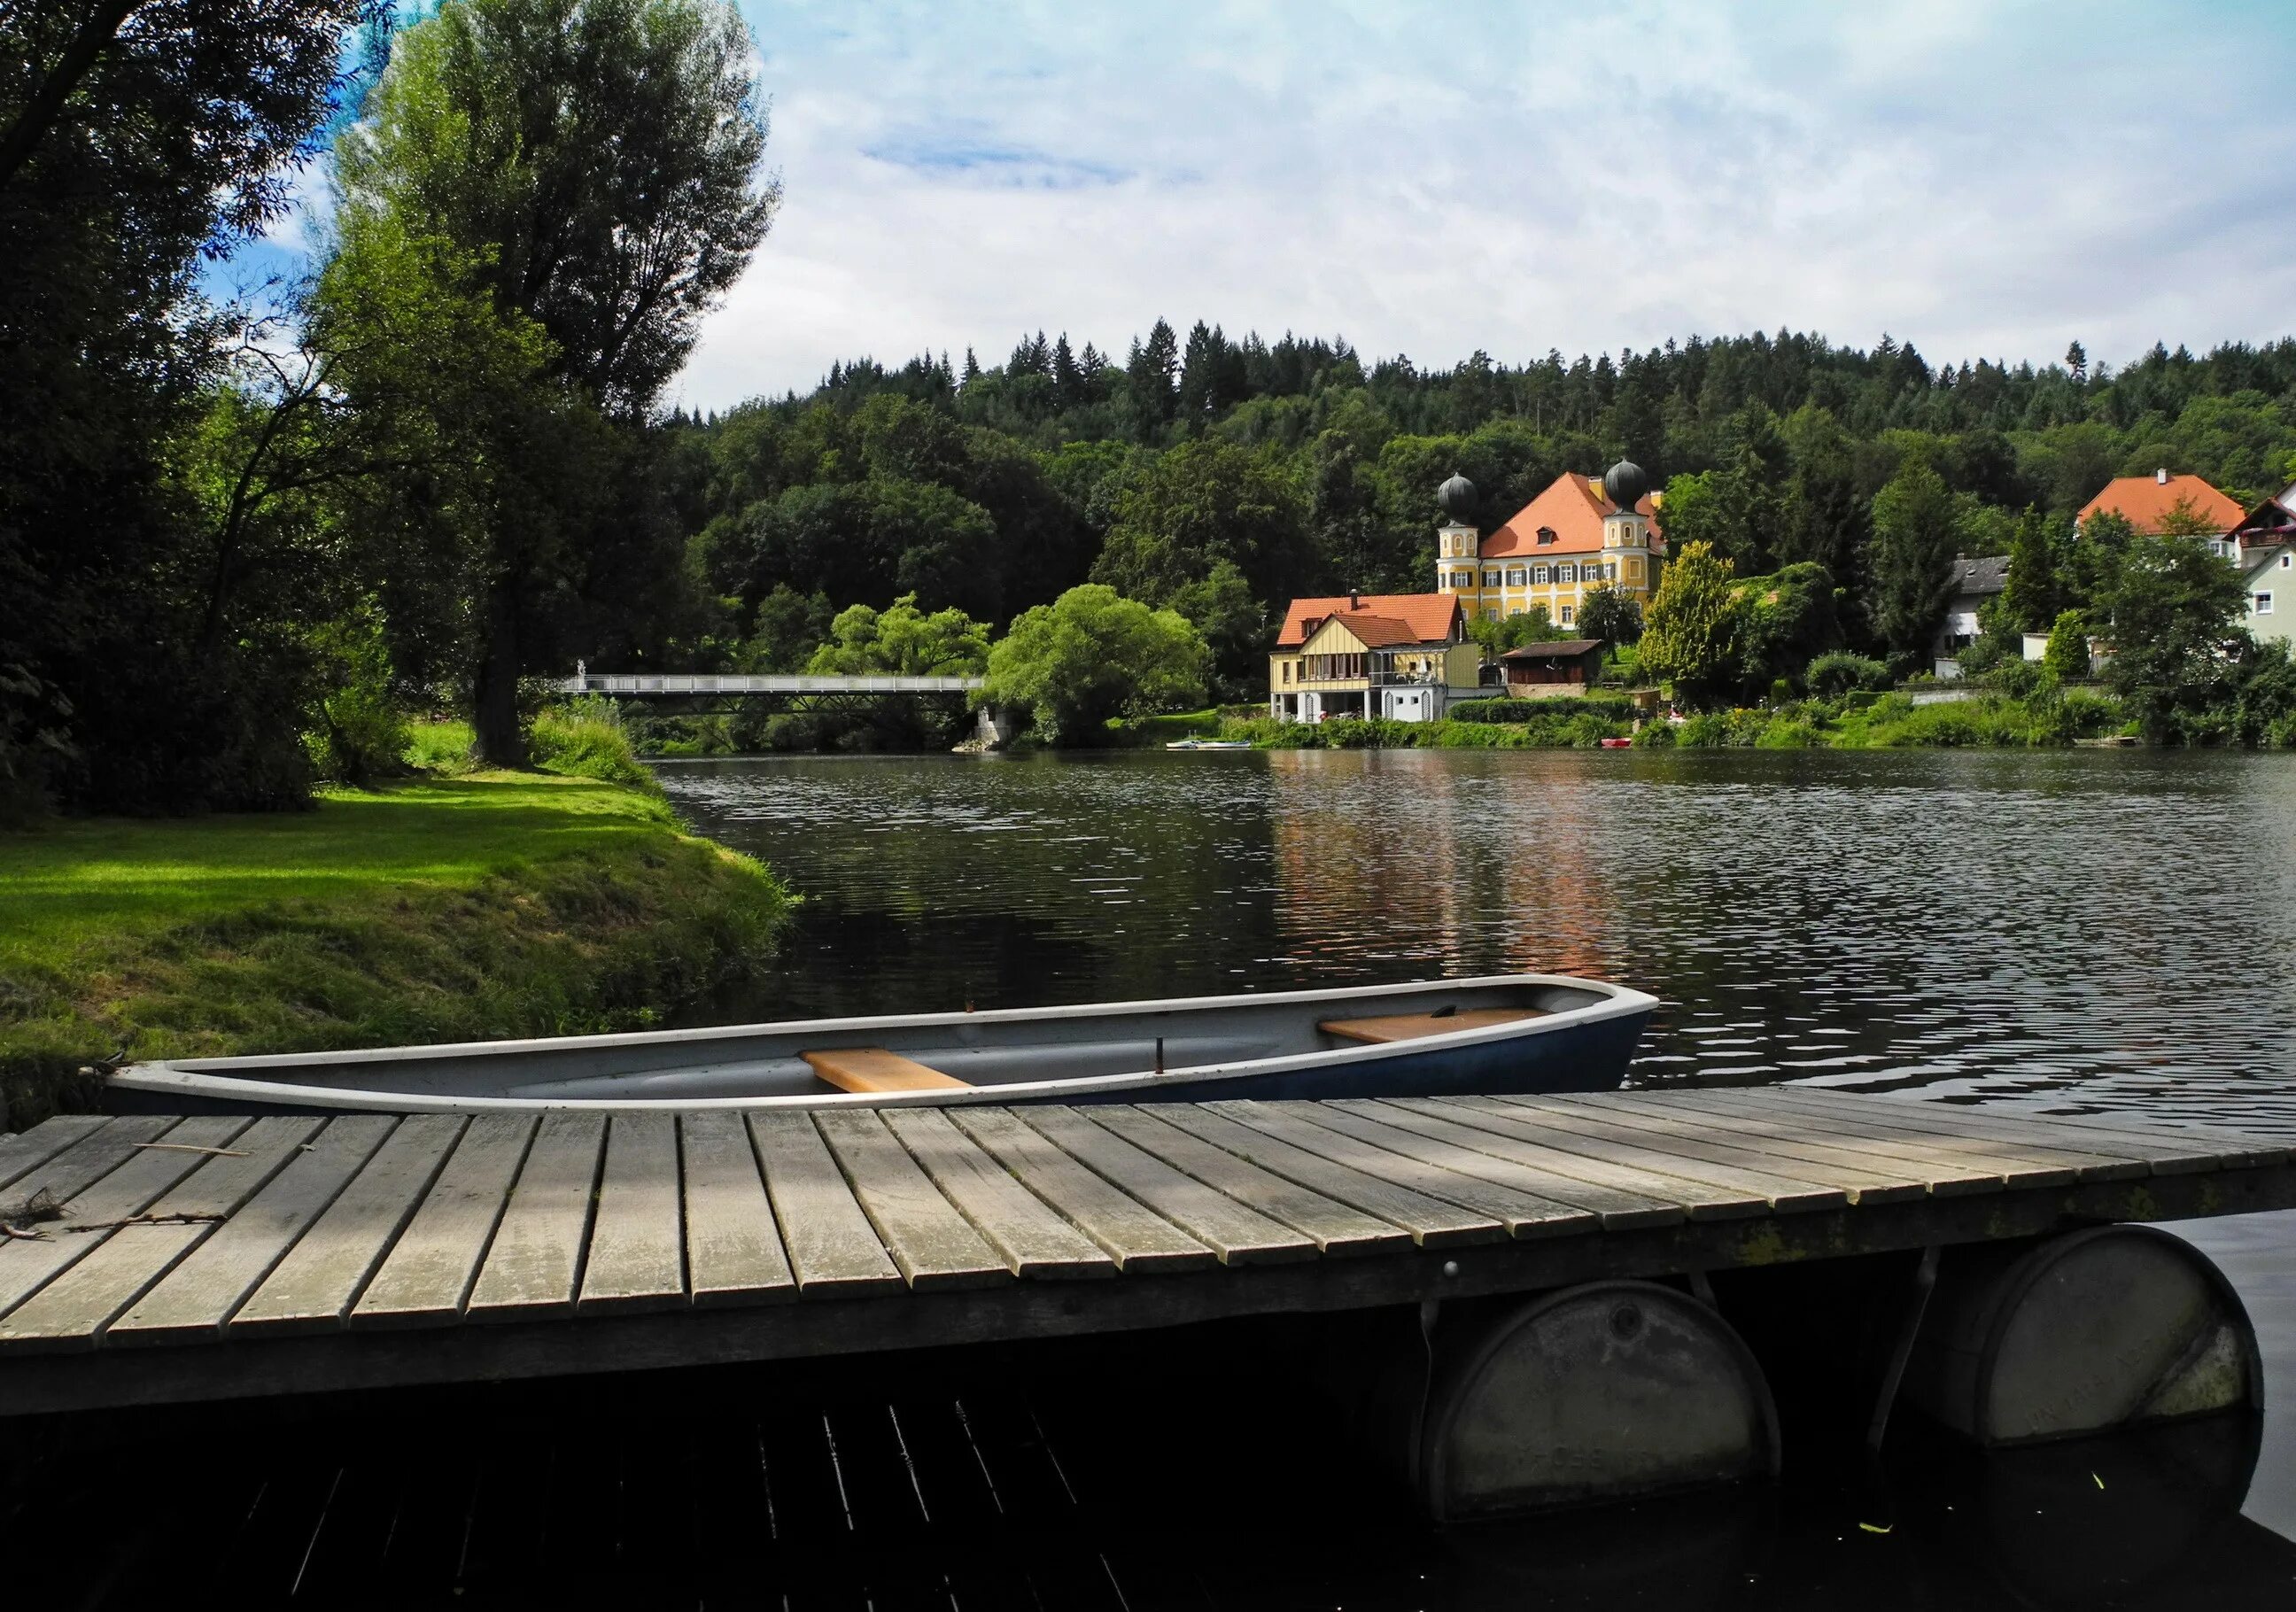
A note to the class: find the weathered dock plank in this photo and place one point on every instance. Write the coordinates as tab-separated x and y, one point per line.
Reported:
1971	1166
929	1238
1432	1223
1135	1236
733	1250
198	1295
832	1247
637	1251
1865	1177
314	1287
1600	1194
289	1255
534	1266
28	1149
1239	1234
428	1270
1393	1154
2088	1158
1334	1226
72	1311
1592	1135
1031	1236
29	1264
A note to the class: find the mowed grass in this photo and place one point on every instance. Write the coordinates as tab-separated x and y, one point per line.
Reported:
109	876
439	909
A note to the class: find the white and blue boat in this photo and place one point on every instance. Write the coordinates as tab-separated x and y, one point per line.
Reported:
1499	1035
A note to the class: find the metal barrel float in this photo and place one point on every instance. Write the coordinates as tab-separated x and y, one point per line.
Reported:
2109	1327
1605	1391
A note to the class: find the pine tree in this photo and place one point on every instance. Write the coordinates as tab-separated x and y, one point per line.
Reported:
1067	379
2032	593
1153	369
972	368
1913	531
1199	398
2076	361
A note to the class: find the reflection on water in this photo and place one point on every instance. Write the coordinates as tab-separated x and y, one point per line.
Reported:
2084	929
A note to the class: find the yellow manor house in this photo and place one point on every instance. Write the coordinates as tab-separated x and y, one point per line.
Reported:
1580	532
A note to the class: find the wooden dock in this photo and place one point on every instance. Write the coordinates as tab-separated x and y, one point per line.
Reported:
222	1256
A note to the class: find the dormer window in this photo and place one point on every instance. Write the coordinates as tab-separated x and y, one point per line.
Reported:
1546	534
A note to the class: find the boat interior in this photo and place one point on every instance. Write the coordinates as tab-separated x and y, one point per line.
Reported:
939	1051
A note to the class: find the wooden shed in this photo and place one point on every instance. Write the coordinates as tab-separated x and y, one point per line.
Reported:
1541	668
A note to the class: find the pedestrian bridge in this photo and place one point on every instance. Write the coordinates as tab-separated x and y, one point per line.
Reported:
684	685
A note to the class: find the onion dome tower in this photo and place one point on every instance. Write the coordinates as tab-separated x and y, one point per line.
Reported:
1457	542
1626	484
1626	528
1456	497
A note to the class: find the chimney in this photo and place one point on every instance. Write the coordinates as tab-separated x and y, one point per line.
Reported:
2160	476
1355	599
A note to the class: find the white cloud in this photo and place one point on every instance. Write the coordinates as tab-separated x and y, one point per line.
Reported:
1984	180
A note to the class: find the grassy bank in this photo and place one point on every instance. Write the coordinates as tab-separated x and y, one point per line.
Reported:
436	910
1857	722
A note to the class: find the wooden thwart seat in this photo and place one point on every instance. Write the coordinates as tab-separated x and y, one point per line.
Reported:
1410	1027
875	1070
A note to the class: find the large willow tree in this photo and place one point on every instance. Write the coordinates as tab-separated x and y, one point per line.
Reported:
590	170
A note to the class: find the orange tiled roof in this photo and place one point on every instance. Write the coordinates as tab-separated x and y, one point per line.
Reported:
1378	631
1573	508
2143	501
1428	618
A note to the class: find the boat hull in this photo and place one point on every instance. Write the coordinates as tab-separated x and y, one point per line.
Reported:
1516	1035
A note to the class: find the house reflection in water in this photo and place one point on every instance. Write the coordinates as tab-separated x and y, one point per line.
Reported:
1494	868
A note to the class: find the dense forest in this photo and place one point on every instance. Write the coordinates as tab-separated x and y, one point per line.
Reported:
1296	467
236	549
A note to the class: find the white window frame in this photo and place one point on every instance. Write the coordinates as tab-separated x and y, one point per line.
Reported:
1539	576
2264	604
1566	615
1566	573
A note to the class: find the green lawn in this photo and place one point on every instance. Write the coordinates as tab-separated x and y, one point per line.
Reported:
492	905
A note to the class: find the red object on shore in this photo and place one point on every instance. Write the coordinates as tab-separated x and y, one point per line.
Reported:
1618	744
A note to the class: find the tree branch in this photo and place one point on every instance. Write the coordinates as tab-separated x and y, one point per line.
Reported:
101	26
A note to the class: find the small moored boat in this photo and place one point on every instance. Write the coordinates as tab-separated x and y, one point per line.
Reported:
1208	744
1516	1033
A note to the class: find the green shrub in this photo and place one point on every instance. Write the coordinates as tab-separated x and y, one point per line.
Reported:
1610	708
1655	736
1841	672
357	733
439	747
1790	733
584	738
2067	654
2019	679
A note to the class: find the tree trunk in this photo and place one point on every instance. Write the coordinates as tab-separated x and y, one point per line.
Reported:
498	737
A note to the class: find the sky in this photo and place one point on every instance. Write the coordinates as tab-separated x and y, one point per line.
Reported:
1985	180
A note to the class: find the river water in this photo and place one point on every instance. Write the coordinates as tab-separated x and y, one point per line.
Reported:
2077	930
2072	932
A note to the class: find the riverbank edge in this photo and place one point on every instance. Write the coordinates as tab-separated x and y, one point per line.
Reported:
573	906
1890	722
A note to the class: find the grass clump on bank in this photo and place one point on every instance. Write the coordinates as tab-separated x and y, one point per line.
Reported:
438	910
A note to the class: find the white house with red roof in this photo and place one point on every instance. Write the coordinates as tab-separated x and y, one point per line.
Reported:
1403	655
2154	504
